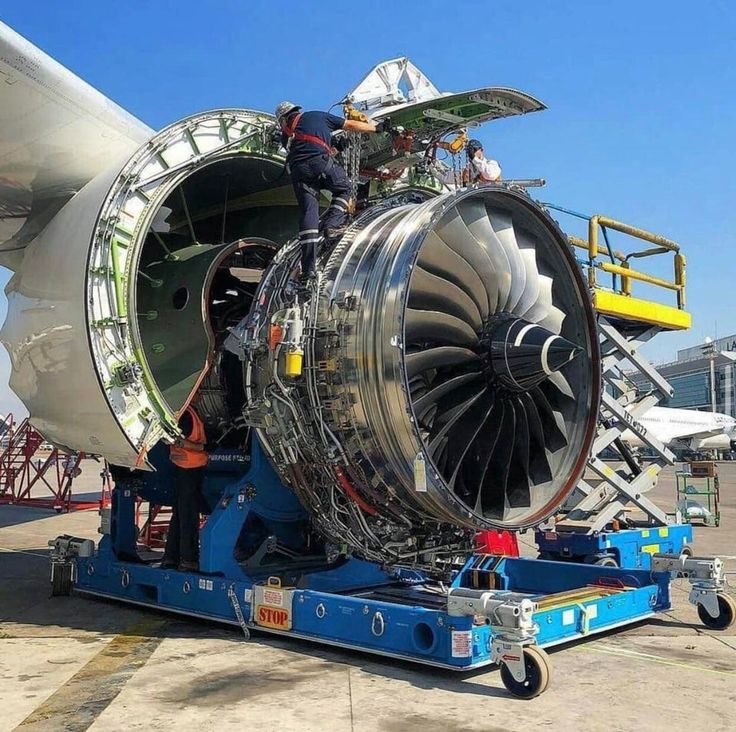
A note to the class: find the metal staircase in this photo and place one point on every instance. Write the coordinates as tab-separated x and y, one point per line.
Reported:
30	476
15	461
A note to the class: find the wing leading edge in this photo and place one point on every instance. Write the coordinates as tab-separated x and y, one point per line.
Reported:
56	133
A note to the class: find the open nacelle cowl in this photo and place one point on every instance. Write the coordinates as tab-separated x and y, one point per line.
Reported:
111	311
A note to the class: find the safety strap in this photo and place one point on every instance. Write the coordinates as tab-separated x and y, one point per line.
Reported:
292	133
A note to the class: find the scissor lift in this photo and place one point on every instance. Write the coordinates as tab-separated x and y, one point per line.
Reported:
603	503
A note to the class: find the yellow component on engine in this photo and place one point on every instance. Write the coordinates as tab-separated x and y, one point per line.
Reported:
355	114
293	363
454	146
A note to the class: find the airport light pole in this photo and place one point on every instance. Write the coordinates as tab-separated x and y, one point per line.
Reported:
709	351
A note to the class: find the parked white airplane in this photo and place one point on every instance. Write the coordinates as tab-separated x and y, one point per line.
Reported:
687	428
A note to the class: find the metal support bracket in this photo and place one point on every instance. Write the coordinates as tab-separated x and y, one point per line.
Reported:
705	575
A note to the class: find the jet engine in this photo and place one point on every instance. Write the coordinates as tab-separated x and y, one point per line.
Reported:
442	377
450	375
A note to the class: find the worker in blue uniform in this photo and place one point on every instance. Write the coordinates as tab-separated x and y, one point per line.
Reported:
310	159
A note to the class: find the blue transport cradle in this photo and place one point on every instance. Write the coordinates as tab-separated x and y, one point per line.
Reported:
261	569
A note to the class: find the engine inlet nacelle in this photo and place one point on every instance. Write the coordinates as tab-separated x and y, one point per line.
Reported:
450	380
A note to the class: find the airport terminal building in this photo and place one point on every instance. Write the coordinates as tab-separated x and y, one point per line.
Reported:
690	376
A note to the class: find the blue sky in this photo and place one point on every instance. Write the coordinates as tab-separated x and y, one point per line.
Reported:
641	118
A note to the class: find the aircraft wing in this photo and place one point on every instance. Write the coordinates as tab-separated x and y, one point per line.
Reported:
56	133
693	437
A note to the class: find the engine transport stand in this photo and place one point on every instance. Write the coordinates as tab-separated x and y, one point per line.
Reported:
257	572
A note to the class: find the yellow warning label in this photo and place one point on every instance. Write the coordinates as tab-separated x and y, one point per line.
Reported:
651	548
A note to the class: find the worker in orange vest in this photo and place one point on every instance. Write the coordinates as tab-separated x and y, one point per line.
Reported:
189	456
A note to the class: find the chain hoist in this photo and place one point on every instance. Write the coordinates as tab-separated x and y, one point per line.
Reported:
353	165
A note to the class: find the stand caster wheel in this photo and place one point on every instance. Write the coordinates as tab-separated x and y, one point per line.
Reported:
726	613
687	550
606	562
538	671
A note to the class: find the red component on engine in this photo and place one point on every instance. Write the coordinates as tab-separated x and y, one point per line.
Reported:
502	543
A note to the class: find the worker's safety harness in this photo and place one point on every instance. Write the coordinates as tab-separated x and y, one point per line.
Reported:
292	133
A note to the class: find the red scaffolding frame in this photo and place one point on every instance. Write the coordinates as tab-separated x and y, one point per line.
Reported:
33	473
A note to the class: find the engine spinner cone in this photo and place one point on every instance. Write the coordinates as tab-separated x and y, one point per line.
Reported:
523	354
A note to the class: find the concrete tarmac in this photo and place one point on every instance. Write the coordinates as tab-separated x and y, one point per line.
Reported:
77	664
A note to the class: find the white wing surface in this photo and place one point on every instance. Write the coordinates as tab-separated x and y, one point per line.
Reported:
56	133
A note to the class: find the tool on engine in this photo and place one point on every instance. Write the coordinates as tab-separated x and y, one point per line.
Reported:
525	182
456	145
352	113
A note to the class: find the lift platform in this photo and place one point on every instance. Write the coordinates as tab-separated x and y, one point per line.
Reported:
257	572
629	548
597	525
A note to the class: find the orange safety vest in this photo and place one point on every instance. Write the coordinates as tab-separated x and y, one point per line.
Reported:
186	458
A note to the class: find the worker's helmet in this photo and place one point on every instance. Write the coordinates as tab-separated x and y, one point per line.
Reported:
284	109
472	147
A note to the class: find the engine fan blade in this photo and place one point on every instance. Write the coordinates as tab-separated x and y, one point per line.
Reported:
561	383
539	467
462	435
446	418
555	436
475	464
418	386
437	358
439	259
531	289
431	398
541	308
493	490
498	230
553	320
430	292
518	488
430	326
454	232
490	498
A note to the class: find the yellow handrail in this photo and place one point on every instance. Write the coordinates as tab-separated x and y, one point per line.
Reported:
604	221
628	273
624	270
576	241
